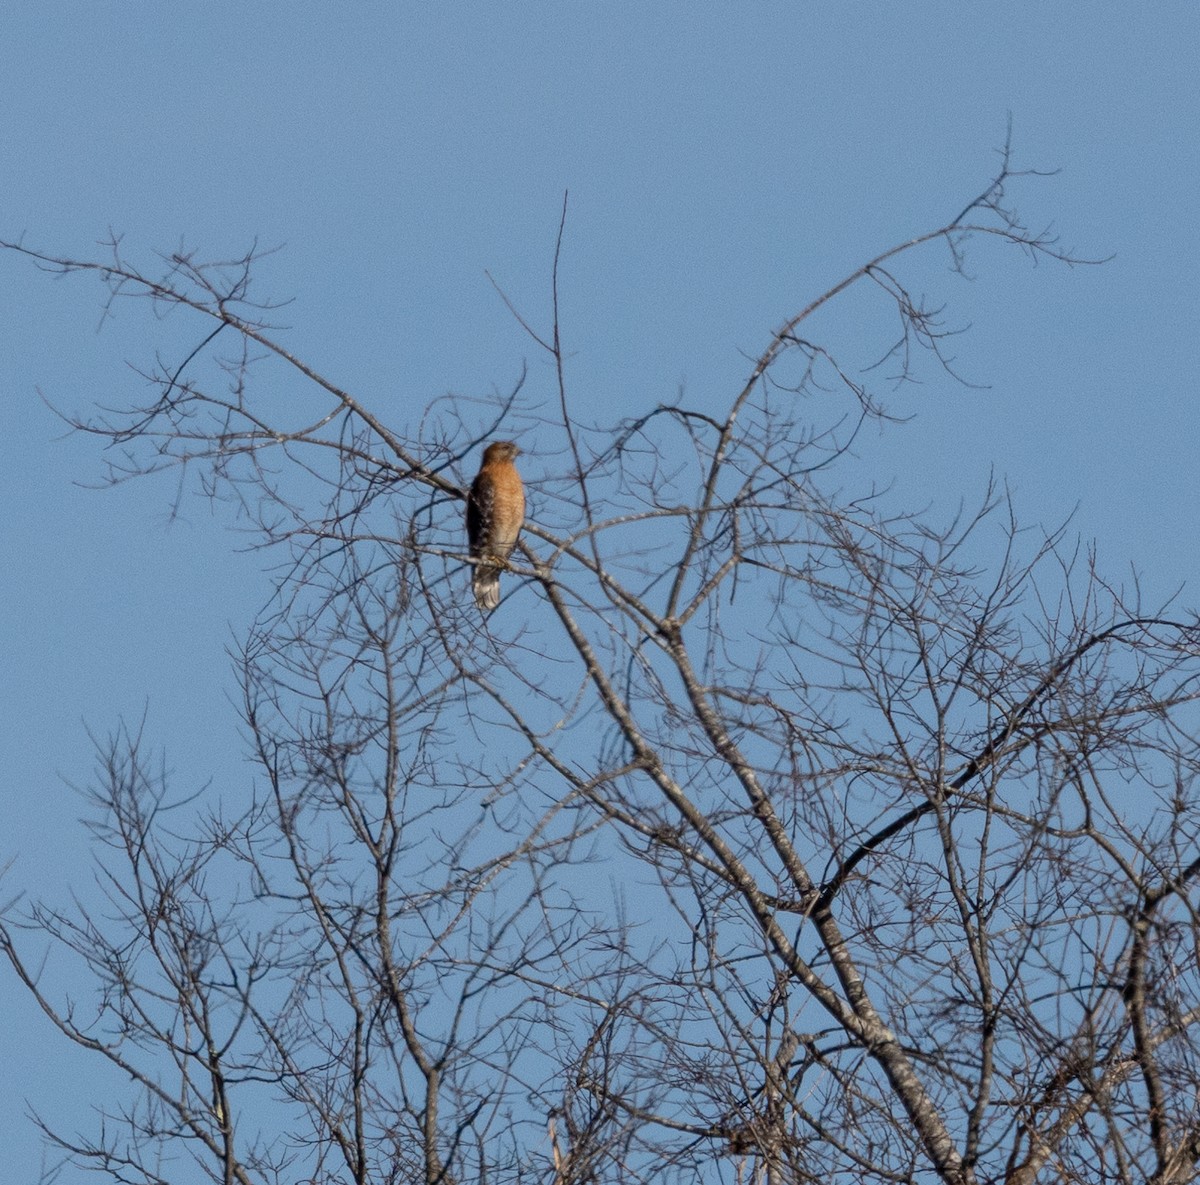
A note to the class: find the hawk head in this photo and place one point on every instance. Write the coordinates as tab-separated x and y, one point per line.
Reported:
500	450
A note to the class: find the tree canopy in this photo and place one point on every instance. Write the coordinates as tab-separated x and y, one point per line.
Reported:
768	830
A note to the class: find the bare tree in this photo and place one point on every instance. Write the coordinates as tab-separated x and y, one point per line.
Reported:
765	833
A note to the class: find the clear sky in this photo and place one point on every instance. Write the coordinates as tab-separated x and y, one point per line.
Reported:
725	164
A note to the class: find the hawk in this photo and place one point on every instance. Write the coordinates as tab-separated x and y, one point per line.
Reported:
495	513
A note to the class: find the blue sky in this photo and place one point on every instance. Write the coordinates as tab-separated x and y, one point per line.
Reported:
725	164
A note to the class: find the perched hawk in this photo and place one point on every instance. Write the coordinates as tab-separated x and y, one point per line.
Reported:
495	512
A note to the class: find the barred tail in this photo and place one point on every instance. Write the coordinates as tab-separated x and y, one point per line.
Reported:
485	584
